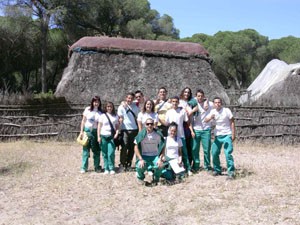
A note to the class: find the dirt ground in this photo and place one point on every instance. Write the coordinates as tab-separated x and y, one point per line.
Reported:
40	183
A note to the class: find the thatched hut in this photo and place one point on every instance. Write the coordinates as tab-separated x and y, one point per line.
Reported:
111	67
277	85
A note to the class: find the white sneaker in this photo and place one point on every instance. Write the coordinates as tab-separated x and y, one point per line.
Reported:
106	172
82	171
190	173
112	172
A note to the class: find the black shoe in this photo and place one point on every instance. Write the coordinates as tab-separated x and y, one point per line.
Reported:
98	170
215	173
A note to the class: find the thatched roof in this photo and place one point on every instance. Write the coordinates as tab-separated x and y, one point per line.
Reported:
276	79
139	46
111	67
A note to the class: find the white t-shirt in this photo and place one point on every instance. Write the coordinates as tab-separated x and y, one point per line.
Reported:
128	118
178	116
91	122
172	147
150	144
199	123
142	117
222	120
106	128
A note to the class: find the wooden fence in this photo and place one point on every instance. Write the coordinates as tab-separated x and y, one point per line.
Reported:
61	121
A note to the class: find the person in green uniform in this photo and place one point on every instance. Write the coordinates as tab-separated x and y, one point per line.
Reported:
89	125
149	144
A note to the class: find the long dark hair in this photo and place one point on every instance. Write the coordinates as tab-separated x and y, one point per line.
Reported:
94	99
152	107
113	112
182	92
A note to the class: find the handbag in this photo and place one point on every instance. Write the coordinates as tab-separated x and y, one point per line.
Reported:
119	140
84	140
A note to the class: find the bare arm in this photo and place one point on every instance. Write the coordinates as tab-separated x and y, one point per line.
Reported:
138	155
117	130
195	109
209	118
180	155
120	121
140	125
232	124
191	129
99	131
82	125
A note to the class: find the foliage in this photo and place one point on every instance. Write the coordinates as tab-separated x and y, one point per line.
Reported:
42	95
237	56
286	49
126	18
35	36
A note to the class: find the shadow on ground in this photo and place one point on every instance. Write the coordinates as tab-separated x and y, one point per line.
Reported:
15	168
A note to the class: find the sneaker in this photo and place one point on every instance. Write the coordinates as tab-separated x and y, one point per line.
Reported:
151	184
215	173
82	171
112	172
106	172
150	173
190	173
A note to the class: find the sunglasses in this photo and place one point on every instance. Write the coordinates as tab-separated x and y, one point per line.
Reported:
148	124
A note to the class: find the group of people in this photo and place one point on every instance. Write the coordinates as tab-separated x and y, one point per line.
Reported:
165	135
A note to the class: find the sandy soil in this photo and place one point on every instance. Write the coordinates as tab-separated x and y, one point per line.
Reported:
40	183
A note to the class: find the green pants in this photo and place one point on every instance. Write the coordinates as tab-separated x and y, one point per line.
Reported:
169	174
94	145
150	164
228	149
108	152
203	136
185	157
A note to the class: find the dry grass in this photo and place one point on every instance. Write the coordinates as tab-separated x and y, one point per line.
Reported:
40	183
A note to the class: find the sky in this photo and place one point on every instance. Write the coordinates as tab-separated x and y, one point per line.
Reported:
272	18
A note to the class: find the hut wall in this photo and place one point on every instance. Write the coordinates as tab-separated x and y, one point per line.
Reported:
268	124
112	75
62	122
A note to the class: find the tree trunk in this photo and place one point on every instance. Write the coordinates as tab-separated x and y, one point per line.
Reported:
44	29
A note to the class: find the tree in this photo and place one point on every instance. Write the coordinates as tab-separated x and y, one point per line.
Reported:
286	49
237	56
44	13
125	18
18	51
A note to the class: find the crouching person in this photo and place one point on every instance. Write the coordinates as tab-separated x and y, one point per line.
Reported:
149	144
173	156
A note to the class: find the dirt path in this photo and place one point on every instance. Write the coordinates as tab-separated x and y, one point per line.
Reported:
40	183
